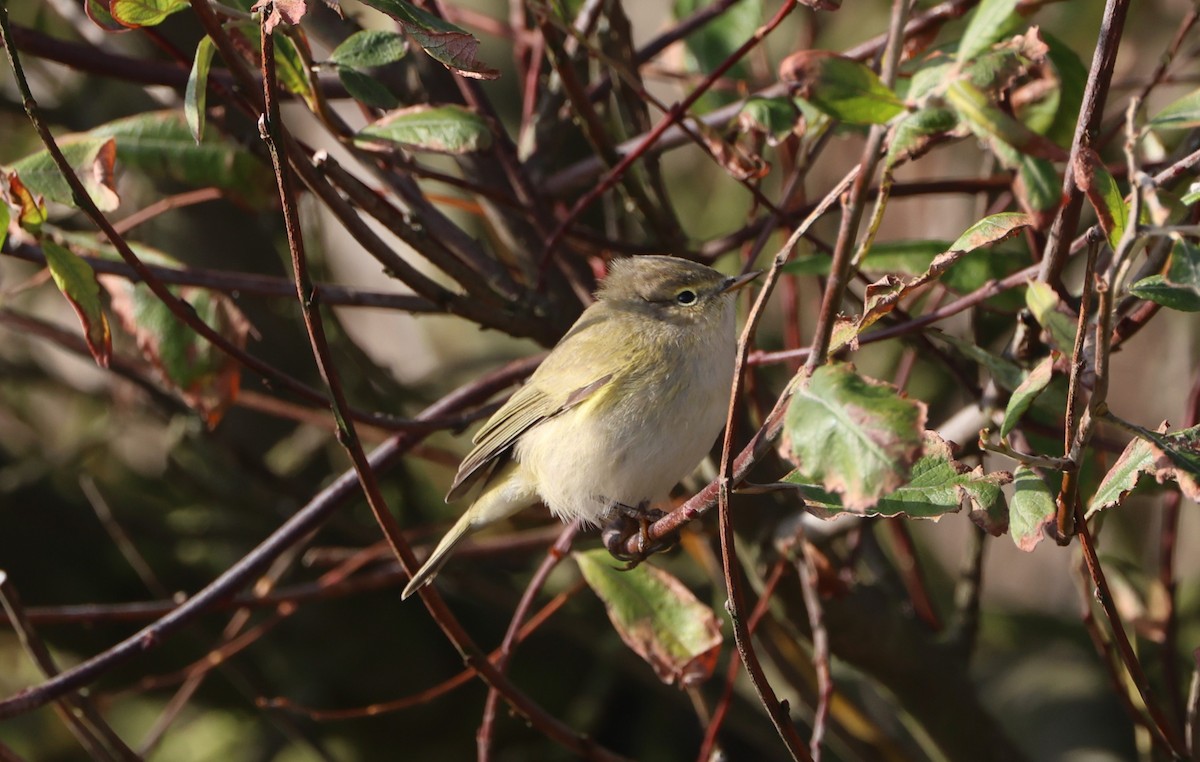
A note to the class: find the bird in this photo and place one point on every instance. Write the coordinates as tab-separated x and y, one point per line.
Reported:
624	406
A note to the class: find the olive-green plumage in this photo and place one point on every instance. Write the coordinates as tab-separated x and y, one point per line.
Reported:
627	403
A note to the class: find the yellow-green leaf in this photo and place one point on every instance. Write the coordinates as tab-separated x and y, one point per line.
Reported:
137	13
77	282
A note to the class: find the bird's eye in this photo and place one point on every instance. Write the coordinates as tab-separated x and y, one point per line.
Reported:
686	297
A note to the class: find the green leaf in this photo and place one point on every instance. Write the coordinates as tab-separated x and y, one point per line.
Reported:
930	78
31	210
1031	508
447	44
1039	184
938	485
138	13
195	96
913	134
92	158
991	229
709	45
292	69
1102	192
1137	460
160	145
1179	289
97	11
1072	79
205	377
776	117
77	282
841	87
1177	458
5	218
1008	374
990	22
1024	395
369	48
445	129
367	89
657	617
858	437
989	122
1183	114
1043	302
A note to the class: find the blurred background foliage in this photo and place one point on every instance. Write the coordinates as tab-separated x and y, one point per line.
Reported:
114	489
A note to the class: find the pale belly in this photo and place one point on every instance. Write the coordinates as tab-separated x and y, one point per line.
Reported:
628	449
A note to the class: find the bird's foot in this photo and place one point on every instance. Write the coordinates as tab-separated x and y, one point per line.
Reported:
631	520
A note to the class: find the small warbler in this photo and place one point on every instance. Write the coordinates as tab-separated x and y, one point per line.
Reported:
627	404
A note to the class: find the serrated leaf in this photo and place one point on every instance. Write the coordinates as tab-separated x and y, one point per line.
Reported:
445	129
1102	192
1043	302
160	145
987	25
93	160
1183	114
366	89
447	44
1179	289
1029	389
139	13
859	438
1136	461
206	378
657	617
77	282
841	87
991	229
31	210
195	95
1031	508
938	485
913	134
369	48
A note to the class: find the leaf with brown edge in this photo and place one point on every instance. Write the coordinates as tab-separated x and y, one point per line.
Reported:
139	13
278	12
855	436
31	210
1028	390
1031	509
1102	192
77	282
206	378
657	616
97	11
454	48
93	160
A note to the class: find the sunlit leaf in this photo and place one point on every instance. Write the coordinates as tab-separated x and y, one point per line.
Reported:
137	13
857	437
1183	114
93	160
1137	460
195	96
289	12
97	11
913	134
291	67
369	48
1177	458
775	117
5	218
1043	302
1102	192
160	145
988	24
31	210
77	282
709	45
1031	508
657	617
989	122
991	229
445	129
841	87
1179	289
1029	389
447	44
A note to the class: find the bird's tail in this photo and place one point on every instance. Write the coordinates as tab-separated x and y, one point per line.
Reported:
506	492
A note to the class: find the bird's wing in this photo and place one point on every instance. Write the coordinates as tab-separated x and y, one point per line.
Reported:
529	406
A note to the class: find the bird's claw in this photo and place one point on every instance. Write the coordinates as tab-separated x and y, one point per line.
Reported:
628	521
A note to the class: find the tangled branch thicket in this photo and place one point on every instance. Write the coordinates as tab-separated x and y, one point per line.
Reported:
263	266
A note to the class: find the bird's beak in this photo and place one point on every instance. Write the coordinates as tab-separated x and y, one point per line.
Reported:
736	282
